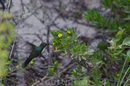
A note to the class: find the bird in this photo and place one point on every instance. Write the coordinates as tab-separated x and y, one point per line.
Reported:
35	53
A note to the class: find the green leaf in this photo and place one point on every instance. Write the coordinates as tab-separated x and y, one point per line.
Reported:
11	4
113	42
119	34
128	18
35	5
128	53
119	28
83	57
101	46
8	62
126	11
31	63
126	41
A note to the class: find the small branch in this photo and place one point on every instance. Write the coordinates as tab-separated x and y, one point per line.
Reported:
40	80
23	19
22	12
9	5
60	13
2	3
32	12
67	68
12	71
11	52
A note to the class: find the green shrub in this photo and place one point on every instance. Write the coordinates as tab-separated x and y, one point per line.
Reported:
117	54
7	34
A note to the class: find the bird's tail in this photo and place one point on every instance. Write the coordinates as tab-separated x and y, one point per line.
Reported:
26	63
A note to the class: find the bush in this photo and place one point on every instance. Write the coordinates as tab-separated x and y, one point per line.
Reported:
7	34
107	66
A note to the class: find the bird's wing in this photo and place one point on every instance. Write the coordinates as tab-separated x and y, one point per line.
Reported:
32	55
32	45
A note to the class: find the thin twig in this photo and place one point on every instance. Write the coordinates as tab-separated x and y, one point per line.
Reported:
23	19
9	5
2	3
11	52
32	12
60	13
22	12
66	68
40	80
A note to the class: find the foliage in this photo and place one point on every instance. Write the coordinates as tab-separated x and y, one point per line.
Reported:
102	61
118	51
7	34
100	20
118	16
69	44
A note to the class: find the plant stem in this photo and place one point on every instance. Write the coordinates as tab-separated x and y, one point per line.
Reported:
122	71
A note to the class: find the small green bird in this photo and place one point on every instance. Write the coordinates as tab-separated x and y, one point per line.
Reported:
35	53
